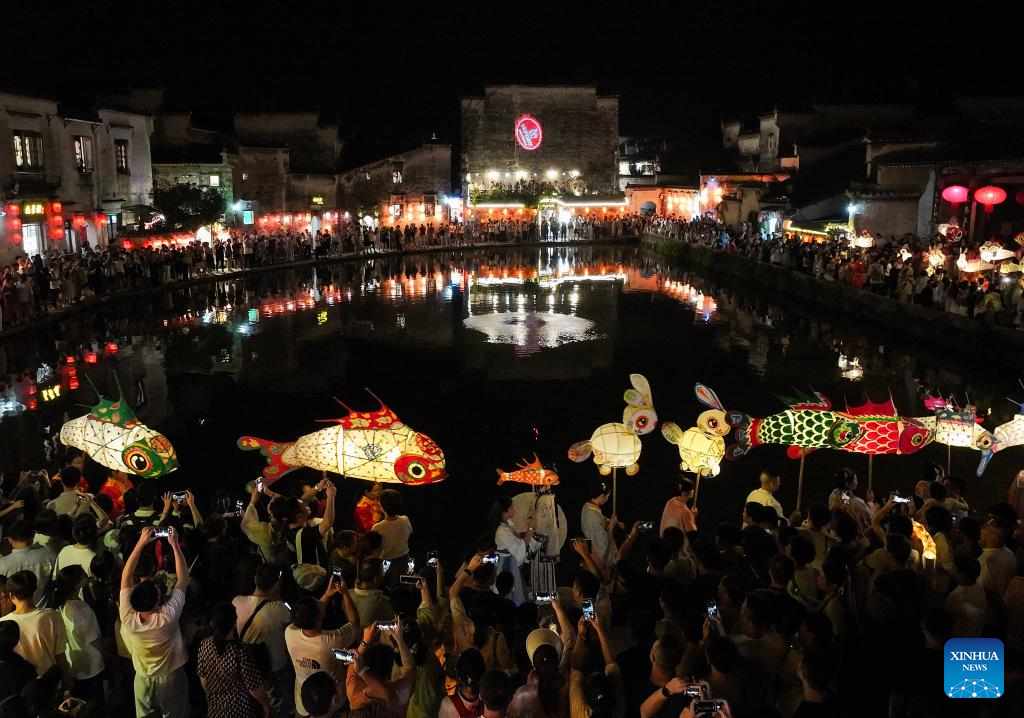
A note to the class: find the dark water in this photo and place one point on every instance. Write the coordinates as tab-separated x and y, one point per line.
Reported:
496	355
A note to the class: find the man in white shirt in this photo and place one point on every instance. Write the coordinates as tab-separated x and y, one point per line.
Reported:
42	641
70	501
262	619
998	563
766	494
311	648
81	552
27	556
152	636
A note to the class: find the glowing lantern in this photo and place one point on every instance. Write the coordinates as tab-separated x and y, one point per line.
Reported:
701	447
993	252
111	348
617	446
936	258
970	266
955	194
89	357
368	445
990	196
113	437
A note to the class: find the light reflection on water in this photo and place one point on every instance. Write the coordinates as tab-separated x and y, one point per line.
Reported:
422	327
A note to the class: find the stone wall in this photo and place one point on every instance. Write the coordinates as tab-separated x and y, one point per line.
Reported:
580	132
424	170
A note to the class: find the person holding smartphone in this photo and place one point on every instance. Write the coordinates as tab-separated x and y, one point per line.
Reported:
152	635
371	681
677	510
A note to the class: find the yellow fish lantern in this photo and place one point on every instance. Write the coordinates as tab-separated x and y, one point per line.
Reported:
367	445
701	447
617	446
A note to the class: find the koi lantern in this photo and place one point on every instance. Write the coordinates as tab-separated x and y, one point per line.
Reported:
955	194
990	196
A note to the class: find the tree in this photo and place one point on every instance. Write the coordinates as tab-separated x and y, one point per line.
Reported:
189	207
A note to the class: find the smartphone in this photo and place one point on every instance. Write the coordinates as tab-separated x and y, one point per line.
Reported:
83	498
409	579
490	558
387	625
287	605
588	610
385	565
410	565
432	559
179	496
344	655
543	598
897	499
337	573
162	532
645	526
698	690
712	611
259	484
846	498
708	709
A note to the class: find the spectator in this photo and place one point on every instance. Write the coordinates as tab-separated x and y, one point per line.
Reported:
27	556
230	677
766	494
83	648
395	530
677	510
152	635
81	553
42	641
465	700
262	621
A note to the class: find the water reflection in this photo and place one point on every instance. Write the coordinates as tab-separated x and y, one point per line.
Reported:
566	313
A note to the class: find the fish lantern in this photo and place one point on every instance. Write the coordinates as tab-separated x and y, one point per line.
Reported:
867	429
961	429
989	196
367	445
993	251
113	437
955	194
532	473
617	446
701	447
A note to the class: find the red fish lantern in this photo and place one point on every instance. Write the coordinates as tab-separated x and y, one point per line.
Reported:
955	194
990	196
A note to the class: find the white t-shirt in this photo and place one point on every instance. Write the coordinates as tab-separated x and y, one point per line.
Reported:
42	637
37	559
267	628
76	556
396	535
765	498
81	629
156	646
313	654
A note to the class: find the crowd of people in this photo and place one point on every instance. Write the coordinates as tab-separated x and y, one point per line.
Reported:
896	268
115	599
34	286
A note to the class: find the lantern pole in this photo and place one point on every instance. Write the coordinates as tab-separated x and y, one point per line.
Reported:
871	471
949	456
800	480
615	492
696	490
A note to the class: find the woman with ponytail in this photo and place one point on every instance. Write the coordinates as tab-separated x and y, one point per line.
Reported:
230	676
545	694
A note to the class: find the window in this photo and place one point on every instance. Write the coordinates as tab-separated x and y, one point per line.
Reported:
245	176
396	177
28	151
215	180
83	153
771	143
121	156
624	168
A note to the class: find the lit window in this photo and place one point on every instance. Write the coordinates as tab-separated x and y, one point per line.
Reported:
83	153
121	156
215	180
245	176
623	168
28	151
396	177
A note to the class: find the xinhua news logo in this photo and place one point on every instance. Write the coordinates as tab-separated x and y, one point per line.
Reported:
974	668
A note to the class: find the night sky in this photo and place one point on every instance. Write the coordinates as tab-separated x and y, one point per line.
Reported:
392	76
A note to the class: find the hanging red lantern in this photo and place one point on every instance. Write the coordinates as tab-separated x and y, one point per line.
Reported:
990	196
955	194
111	348
90	357
1019	197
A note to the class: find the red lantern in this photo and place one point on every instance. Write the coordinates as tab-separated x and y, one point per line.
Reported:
111	348
56	207
90	357
955	194
990	196
69	360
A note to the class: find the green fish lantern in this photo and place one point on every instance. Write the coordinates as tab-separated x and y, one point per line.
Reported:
113	437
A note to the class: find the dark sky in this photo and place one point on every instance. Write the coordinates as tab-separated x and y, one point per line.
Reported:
392	73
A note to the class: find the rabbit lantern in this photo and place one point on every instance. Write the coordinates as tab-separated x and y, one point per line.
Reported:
701	447
617	446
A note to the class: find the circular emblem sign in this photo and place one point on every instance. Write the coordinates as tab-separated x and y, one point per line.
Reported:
528	132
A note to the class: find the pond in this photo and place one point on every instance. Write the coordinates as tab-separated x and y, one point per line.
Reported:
497	355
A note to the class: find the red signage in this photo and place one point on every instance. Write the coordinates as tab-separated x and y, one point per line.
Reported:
528	132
